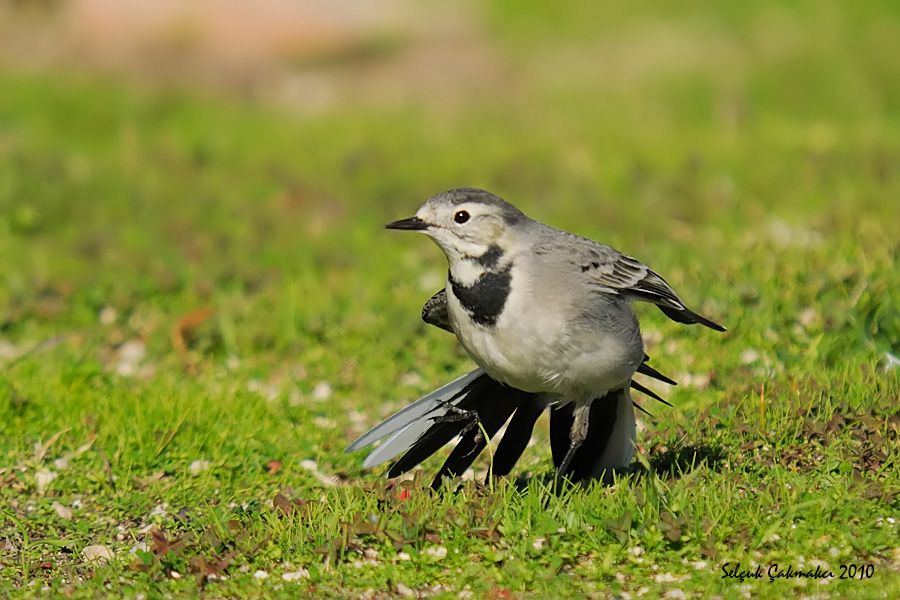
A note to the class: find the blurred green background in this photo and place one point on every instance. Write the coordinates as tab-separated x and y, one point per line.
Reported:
192	265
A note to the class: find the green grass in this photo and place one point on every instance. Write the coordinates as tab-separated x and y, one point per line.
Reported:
753	163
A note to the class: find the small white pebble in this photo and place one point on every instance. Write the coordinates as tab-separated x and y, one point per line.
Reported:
403	590
175	575
61	463
108	315
323	422
296	575
322	391
699	565
698	381
437	552
676	593
636	550
465	594
403	556
538	543
749	356
261	575
412	379
370	553
198	466
891	520
808	316
139	547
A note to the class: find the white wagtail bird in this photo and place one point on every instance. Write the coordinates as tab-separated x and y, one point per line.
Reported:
546	316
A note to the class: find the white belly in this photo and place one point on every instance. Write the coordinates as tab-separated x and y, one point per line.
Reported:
536	350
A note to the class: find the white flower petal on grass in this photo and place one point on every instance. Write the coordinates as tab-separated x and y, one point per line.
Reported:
63	512
97	552
437	552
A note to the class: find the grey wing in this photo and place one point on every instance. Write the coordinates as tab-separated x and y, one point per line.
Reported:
435	311
615	273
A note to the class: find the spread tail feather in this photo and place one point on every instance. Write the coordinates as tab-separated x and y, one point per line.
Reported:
415	411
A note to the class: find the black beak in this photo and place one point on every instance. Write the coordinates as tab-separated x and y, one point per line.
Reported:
412	224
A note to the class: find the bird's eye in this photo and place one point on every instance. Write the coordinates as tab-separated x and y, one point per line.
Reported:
461	217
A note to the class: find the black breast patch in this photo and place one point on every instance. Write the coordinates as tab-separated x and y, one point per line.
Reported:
490	258
485	298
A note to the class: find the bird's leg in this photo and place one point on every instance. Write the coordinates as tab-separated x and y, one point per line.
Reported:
577	434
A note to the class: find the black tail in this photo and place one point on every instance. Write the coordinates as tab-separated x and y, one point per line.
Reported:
602	423
687	316
492	404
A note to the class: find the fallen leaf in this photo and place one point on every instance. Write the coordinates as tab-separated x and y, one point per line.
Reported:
97	553
182	329
43	478
62	511
283	504
162	545
41	450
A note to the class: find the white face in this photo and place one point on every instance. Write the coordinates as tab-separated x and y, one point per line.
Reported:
462	230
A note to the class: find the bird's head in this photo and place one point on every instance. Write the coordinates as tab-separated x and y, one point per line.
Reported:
466	222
